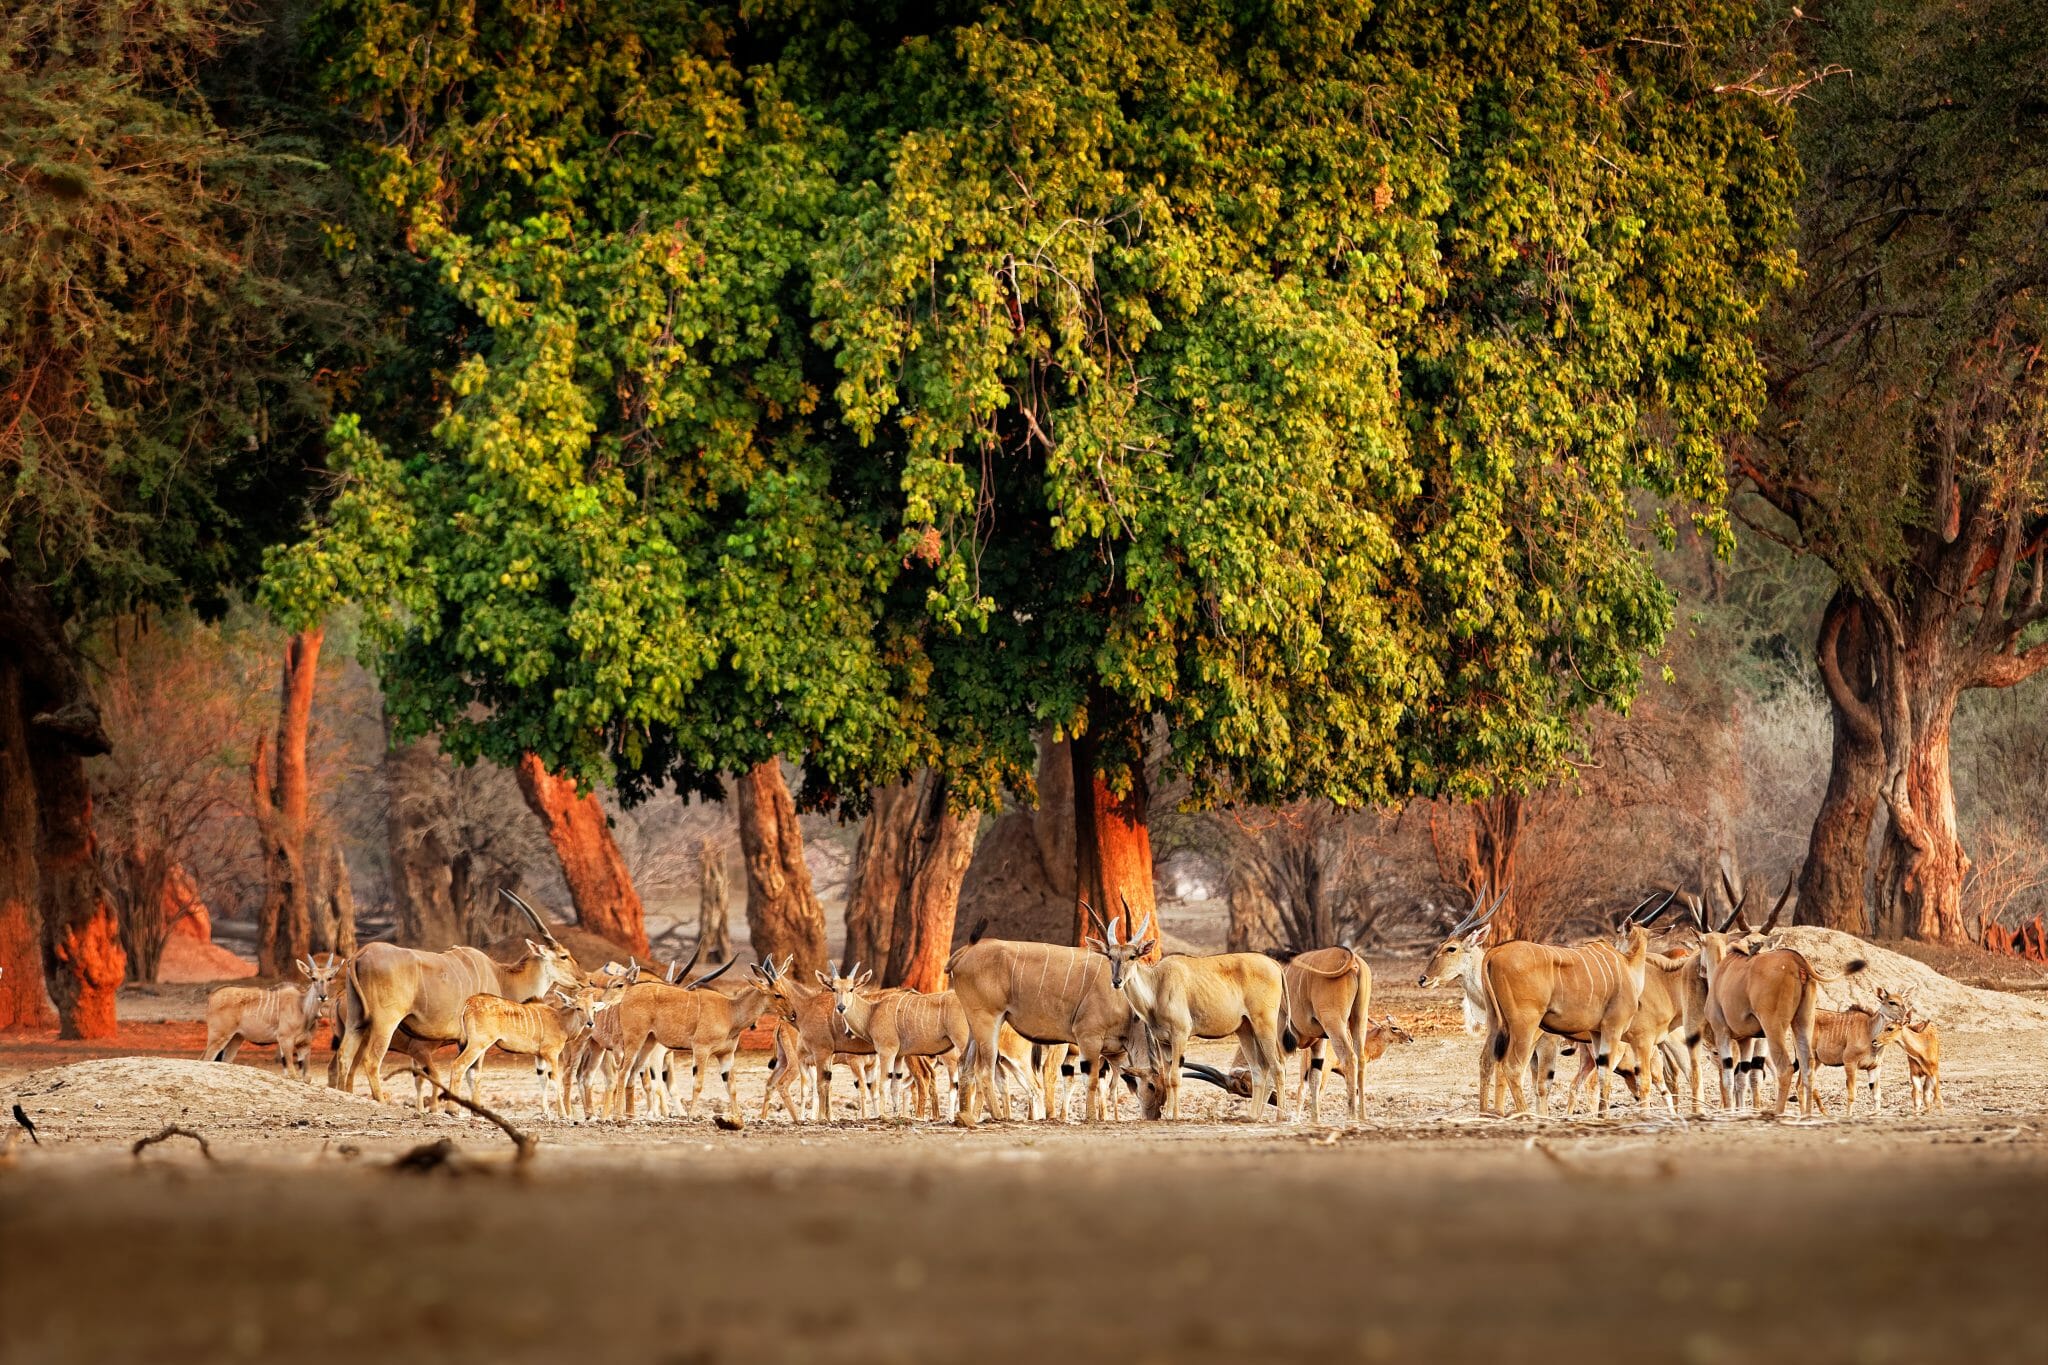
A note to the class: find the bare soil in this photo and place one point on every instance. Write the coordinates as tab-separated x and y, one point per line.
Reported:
1428	1233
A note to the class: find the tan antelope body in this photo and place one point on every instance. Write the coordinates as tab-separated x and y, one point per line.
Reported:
1328	995
282	1015
826	1041
390	990
1458	959
1048	993
540	1029
1222	995
1769	994
1588	993
900	1024
705	1020
1921	1042
1854	1040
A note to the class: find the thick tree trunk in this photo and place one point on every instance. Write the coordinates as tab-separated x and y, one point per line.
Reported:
334	917
428	916
1483	860
1832	881
282	803
936	855
713	936
1112	847
606	902
880	865
784	918
1921	878
23	1003
1053	822
83	964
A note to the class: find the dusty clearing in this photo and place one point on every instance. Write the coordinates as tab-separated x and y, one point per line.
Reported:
1428	1234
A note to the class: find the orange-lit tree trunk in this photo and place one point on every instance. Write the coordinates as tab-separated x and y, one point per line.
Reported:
1483	861
1112	845
713	934
282	797
83	963
23	1003
1831	881
599	884
938	847
880	863
784	918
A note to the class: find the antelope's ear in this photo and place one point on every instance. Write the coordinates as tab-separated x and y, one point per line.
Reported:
535	949
1093	944
862	979
1147	946
304	966
823	980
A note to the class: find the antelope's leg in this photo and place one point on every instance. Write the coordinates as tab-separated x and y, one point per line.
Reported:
1521	1044
376	1042
1314	1066
1782	1059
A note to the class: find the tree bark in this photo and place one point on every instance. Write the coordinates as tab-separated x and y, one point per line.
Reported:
784	918
1112	847
713	936
880	866
1832	880
23	1004
1251	915
428	916
1053	822
334	919
1920	886
936	856
282	803
599	884
83	964
1483	863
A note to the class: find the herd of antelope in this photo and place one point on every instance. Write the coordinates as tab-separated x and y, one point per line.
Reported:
1026	1023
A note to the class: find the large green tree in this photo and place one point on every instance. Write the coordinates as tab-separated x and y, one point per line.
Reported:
1904	448
158	415
873	384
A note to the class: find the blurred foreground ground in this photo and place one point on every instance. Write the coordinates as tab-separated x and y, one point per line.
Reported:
1427	1234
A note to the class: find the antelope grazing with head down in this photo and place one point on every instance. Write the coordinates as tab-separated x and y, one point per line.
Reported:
283	1015
1588	993
1768	993
1049	993
1221	995
390	988
1921	1042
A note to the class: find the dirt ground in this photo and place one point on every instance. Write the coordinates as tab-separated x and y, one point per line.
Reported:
1427	1234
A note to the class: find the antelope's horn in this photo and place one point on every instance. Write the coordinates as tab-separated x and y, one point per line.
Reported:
712	975
1100	927
509	894
695	953
1205	1073
1791	881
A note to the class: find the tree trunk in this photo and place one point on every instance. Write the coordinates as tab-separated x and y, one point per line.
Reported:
143	883
1923	866
936	855
784	918
599	884
1251	915
1053	822
23	1004
334	918
428	917
713	936
1483	862
82	959
282	802
880	865
1832	881
1112	847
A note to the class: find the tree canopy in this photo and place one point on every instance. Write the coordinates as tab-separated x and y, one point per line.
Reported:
874	384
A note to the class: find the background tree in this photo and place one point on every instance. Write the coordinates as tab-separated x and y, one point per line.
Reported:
282	802
876	388
1905	446
600	886
155	431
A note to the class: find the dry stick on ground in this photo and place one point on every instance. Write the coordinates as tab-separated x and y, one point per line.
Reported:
524	1145
170	1130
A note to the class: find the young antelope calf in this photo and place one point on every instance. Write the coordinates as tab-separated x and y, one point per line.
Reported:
1855	1039
1921	1043
284	1015
541	1029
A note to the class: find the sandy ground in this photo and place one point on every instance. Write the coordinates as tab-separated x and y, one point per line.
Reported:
1428	1233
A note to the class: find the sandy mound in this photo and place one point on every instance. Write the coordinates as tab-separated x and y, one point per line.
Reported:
190	959
1949	1003
141	1092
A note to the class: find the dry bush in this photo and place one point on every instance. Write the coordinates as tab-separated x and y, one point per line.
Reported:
180	700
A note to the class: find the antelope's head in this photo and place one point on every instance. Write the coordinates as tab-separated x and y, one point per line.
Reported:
844	987
1387	1032
1461	949
557	964
320	975
1121	949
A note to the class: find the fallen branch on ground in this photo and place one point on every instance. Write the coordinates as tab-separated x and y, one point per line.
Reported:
524	1145
170	1130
